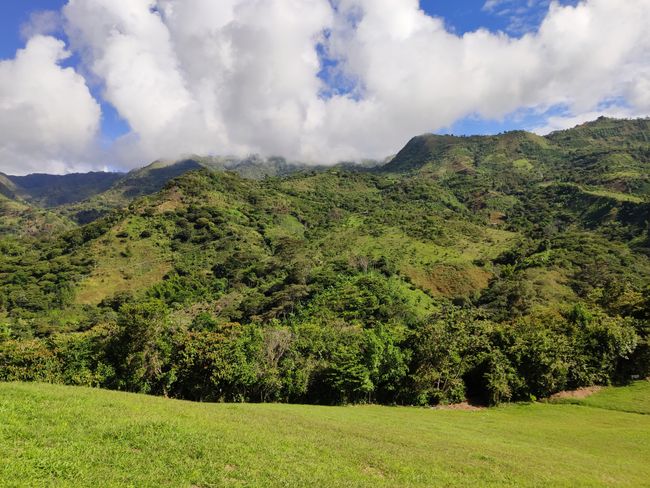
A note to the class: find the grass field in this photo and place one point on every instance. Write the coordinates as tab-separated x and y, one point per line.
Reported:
64	436
632	399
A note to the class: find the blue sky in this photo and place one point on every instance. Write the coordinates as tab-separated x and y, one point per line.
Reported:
460	16
13	14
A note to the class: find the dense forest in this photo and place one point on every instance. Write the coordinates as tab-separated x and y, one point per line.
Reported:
490	268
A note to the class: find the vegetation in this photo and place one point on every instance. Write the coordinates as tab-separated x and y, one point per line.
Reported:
64	436
493	269
56	190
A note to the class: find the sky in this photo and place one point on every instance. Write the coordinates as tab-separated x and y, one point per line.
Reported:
115	84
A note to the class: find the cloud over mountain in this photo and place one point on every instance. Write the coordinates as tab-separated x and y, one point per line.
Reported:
48	118
321	81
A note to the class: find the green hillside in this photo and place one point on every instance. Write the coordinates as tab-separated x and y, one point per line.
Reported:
608	154
490	268
62	436
55	190
8	189
632	399
152	178
19	220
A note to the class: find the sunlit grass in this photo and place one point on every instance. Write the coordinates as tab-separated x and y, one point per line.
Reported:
64	436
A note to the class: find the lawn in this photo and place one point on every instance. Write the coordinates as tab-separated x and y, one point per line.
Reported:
633	399
66	436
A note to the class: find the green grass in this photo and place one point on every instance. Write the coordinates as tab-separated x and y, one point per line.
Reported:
614	195
64	436
634	399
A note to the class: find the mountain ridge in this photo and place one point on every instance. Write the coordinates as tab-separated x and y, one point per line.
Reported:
441	154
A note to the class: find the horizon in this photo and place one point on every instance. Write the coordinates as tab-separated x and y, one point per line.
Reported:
381	161
98	85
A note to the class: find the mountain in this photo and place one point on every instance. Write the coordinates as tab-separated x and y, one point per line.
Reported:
493	268
152	178
19	220
111	190
8	189
601	168
609	153
453	154
604	132
54	190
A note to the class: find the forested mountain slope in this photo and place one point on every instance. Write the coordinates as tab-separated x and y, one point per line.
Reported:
494	268
152	178
55	190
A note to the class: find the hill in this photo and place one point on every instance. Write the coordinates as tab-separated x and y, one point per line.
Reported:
55	190
473	272
19	220
607	153
152	178
8	189
82	437
86	196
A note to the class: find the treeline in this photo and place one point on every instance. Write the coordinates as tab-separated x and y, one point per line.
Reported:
454	354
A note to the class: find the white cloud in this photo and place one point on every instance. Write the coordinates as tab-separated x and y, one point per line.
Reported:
561	122
202	76
241	76
48	118
416	76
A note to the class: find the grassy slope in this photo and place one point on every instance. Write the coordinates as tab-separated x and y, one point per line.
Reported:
124	264
62	436
633	399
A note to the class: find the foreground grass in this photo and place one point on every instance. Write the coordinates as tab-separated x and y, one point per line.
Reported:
64	436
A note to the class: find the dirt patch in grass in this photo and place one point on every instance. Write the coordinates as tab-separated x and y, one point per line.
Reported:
172	202
466	406
497	218
372	471
579	394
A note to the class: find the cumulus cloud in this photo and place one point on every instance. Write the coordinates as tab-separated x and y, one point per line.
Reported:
203	76
48	118
322	81
415	75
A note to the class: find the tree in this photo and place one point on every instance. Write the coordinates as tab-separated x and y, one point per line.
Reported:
445	349
143	347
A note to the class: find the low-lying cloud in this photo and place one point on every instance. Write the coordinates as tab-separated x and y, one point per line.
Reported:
311	80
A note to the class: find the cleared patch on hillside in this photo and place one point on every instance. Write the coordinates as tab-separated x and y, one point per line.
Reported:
450	280
551	287
125	262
